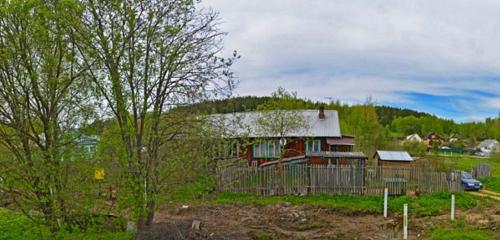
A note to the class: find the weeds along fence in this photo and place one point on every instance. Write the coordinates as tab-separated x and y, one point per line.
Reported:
310	179
481	171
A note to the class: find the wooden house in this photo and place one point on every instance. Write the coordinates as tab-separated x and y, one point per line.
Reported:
320	143
393	159
434	139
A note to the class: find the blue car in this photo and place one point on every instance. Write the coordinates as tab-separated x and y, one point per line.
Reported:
469	183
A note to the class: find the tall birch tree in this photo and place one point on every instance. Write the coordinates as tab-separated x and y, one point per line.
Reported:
146	57
42	99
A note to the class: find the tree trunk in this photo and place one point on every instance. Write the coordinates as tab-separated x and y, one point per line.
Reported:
151	213
141	227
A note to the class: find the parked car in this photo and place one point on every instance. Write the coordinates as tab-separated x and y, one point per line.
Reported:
469	183
480	154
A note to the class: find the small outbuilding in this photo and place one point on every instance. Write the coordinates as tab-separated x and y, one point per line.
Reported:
393	159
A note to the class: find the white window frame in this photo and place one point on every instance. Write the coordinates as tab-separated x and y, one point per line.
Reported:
266	149
315	144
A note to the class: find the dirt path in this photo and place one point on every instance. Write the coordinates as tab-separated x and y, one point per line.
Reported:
286	221
293	222
490	192
486	193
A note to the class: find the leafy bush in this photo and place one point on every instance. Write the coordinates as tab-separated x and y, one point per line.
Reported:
415	148
17	226
492	183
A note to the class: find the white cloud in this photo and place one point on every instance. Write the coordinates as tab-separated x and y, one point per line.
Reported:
494	103
352	49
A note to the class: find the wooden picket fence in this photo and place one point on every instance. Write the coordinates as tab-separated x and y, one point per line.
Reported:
481	171
311	179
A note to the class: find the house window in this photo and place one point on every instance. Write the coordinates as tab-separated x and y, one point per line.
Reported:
266	149
335	148
341	148
313	146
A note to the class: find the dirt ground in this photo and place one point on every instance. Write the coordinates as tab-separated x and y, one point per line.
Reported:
285	221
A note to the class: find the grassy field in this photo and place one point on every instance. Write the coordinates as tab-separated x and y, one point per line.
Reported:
462	233
466	163
16	226
427	205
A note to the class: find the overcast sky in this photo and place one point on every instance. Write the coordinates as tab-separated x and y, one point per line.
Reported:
441	57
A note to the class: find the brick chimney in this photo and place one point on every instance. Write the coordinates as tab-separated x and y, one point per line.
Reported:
321	114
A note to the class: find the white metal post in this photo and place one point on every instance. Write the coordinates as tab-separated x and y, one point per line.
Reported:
452	207
405	222
386	193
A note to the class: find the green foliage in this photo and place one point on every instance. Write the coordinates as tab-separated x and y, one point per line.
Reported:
466	163
44	96
278	116
423	125
197	189
491	183
228	105
17	226
415	148
387	114
361	121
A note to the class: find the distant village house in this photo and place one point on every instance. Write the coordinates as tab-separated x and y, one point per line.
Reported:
414	138
489	146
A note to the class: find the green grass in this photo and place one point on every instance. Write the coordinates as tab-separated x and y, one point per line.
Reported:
17	226
426	205
466	163
195	190
459	230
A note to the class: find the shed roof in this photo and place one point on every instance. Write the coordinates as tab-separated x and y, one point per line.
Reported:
394	156
245	123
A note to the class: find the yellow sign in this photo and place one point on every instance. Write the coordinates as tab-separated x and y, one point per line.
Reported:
99	174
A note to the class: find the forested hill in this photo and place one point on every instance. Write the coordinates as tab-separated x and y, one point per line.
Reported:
385	114
370	124
361	120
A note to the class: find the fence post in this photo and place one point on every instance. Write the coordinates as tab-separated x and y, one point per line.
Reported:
386	193
405	221
452	207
